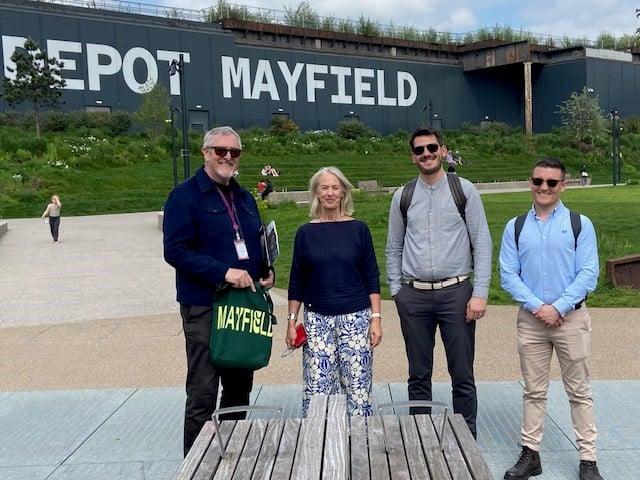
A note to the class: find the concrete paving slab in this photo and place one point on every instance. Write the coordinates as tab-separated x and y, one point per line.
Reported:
81	384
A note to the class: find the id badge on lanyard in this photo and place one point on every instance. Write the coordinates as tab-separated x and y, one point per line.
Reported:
241	246
241	249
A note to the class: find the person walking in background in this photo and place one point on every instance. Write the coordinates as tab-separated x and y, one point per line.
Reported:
584	175
549	267
212	236
430	258
53	210
334	272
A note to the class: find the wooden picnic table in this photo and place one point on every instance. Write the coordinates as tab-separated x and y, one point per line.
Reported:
328	445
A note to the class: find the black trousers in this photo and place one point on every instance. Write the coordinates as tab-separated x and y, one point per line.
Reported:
203	377
54	226
421	313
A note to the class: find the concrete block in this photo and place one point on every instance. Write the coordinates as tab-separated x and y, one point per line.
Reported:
4	228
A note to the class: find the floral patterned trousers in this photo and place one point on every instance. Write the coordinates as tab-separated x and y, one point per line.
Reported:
338	358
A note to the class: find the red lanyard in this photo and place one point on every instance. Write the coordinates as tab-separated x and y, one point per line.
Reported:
231	210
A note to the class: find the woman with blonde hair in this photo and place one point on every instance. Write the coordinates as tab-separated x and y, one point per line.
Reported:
334	272
53	210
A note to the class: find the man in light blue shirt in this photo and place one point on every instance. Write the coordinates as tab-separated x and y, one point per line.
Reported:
550	271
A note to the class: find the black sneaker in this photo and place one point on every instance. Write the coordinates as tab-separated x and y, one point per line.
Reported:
528	465
589	471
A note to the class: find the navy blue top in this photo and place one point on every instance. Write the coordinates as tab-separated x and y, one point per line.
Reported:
334	267
199	237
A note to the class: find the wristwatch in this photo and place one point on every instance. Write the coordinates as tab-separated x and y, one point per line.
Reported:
292	316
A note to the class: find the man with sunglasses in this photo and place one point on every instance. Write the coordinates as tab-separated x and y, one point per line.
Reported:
550	272
430	259
212	234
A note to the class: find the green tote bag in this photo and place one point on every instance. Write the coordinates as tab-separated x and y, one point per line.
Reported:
241	327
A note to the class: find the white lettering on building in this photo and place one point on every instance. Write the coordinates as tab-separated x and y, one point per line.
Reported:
237	76
240	76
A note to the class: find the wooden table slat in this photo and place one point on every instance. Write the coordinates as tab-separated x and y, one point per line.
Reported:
212	458
413	449
452	453
377	454
335	464
234	448
251	450
359	451
308	461
431	447
284	461
268	450
395	449
470	451
192	461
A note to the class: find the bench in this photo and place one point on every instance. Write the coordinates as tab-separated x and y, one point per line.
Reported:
624	271
329	445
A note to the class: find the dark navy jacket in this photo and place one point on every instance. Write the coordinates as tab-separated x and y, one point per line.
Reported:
199	237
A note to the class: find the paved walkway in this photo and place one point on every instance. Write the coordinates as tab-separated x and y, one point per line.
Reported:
92	363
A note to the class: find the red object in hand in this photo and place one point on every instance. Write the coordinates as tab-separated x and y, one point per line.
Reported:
301	336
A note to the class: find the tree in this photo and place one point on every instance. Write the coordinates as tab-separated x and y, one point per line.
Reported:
154	111
582	117
37	79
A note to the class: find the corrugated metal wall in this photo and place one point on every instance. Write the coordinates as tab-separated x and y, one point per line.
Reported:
108	57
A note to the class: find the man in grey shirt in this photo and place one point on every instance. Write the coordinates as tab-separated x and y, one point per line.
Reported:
429	264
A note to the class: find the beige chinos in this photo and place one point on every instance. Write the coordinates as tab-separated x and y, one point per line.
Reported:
572	343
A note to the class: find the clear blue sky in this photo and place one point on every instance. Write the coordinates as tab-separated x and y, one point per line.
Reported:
576	19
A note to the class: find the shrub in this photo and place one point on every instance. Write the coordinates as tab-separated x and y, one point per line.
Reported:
281	125
55	121
632	125
353	129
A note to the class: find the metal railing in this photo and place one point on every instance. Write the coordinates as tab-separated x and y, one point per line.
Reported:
311	20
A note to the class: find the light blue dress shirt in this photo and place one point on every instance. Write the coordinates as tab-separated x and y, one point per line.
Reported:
548	267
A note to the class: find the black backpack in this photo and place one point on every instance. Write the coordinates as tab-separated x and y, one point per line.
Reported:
456	191
576	226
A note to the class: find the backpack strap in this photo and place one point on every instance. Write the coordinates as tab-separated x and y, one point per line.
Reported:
576	227
456	191
458	194
405	199
519	223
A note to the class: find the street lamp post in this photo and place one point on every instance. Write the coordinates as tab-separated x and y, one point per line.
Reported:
615	153
173	144
178	66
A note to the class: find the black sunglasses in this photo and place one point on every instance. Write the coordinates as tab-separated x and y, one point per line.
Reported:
222	151
432	147
552	182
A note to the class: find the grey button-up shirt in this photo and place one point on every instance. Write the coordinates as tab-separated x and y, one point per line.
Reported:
436	243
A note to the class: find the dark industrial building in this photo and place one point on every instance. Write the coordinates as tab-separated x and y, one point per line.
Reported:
243	73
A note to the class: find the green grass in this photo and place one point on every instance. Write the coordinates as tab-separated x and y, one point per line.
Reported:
128	174
613	210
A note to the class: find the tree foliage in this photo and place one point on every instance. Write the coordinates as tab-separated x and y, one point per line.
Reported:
37	79
154	111
582	117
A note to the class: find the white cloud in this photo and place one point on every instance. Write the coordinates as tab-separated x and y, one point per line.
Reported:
572	18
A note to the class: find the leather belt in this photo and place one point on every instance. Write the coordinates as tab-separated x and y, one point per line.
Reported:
439	285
